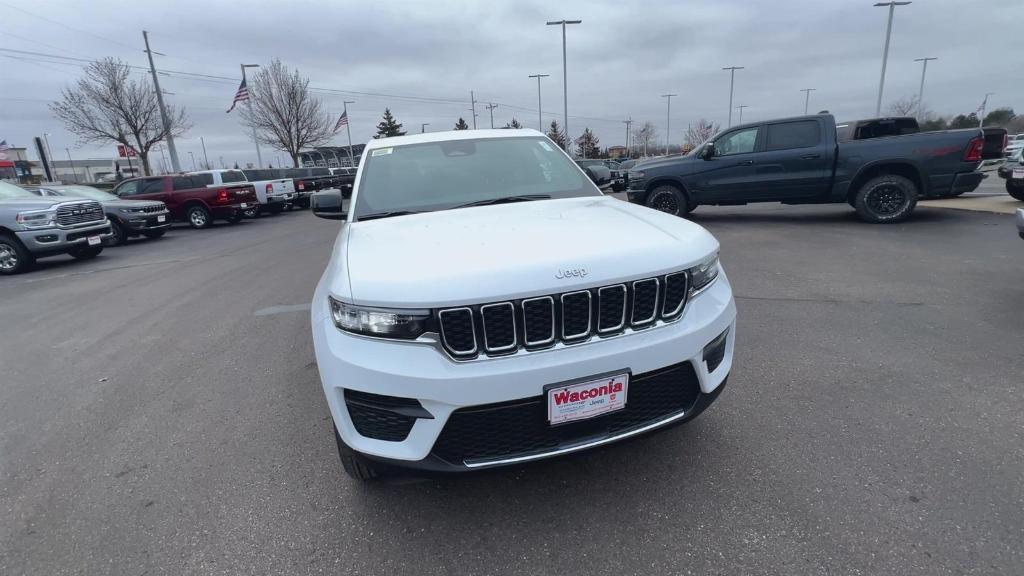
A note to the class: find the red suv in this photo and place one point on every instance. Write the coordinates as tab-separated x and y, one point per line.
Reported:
189	199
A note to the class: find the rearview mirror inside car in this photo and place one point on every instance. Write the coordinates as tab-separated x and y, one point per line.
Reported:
328	204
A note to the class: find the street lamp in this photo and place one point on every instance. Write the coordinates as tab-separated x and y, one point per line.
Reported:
732	80
885	53
540	113
984	104
740	108
807	97
248	101
565	78
193	156
668	120
73	171
920	92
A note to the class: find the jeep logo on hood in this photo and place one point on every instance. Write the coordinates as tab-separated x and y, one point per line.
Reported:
571	272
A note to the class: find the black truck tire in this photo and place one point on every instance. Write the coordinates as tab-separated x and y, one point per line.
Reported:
1017	191
357	467
669	199
85	252
14	258
118	235
198	216
885	199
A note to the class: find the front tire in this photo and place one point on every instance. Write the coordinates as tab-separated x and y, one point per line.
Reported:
885	199
14	258
355	465
198	217
1017	191
118	235
670	200
86	253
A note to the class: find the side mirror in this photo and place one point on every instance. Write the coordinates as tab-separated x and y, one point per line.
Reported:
592	174
708	152
328	204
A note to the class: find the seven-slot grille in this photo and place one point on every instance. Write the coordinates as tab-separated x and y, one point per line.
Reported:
79	213
505	327
152	209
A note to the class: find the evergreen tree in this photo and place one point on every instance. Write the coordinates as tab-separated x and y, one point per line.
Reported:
388	127
961	121
461	124
555	133
513	124
587	145
999	117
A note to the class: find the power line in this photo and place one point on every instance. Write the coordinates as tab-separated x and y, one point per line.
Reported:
44	18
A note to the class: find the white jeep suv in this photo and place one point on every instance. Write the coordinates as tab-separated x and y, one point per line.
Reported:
486	305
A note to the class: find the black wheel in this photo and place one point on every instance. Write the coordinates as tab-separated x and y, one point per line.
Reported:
198	216
251	212
236	217
670	200
154	233
86	252
1015	190
885	199
355	465
14	258
118	235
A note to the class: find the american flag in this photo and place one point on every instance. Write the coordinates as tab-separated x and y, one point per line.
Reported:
241	95
343	121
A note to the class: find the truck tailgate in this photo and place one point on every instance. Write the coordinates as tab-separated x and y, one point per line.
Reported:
285	186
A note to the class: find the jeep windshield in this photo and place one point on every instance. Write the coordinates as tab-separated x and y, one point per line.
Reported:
457	173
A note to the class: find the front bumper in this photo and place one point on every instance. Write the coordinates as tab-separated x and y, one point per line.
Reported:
147	222
57	240
413	370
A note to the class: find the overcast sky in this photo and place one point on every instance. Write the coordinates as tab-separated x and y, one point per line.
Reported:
421	59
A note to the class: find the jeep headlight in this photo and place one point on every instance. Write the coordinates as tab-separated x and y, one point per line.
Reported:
37	219
703	274
384	322
132	210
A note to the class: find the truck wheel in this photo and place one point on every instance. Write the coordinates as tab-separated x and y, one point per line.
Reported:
154	233
670	200
118	235
251	212
1017	191
198	216
86	252
357	467
885	199
14	258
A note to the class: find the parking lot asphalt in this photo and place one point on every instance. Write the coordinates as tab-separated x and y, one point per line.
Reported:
160	413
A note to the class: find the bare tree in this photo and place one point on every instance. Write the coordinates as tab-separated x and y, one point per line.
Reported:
701	132
283	112
106	105
644	136
906	106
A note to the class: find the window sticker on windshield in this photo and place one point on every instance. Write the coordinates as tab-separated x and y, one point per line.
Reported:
382	152
545	146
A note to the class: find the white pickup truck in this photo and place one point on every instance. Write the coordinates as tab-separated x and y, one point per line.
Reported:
273	194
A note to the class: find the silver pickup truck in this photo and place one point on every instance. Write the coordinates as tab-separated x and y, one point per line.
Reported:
33	227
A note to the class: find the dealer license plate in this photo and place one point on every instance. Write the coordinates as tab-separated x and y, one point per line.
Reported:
582	400
1018	173
94	240
244	205
161	218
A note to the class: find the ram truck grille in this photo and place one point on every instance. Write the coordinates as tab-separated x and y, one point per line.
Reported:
80	213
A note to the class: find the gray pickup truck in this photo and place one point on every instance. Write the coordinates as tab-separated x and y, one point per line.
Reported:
33	227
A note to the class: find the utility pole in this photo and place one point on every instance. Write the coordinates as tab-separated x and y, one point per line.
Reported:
807	98
206	159
732	81
885	52
223	165
740	108
920	92
472	104
540	113
348	131
565	78
668	120
423	127
629	149
984	105
490	108
193	156
163	109
73	171
49	156
248	102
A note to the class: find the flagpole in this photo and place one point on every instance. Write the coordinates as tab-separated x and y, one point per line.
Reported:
248	102
348	130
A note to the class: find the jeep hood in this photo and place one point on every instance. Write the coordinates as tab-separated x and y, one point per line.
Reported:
488	253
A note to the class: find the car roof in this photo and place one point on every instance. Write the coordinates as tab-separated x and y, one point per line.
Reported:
450	135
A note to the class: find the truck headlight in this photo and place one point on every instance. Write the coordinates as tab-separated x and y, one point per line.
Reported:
36	219
384	322
703	274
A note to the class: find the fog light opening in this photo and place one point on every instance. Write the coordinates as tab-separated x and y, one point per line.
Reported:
714	352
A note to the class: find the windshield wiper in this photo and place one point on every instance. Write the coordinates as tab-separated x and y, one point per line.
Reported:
505	200
376	215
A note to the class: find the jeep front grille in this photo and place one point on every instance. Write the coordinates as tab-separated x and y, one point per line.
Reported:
499	328
80	213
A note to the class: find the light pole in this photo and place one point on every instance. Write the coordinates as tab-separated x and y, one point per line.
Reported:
984	104
740	108
540	113
807	98
472	107
206	159
732	81
490	108
348	131
885	52
423	127
248	101
629	150
565	78
920	92
193	156
160	101
73	171
49	155
668	120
